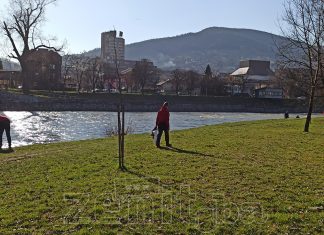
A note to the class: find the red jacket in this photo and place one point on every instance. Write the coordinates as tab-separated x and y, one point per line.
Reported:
3	118
163	116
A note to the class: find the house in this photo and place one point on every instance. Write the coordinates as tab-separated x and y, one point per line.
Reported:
252	74
165	86
268	92
10	78
169	87
111	83
44	69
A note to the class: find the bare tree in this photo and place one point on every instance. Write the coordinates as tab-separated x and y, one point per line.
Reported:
178	79
79	65
129	81
143	73
192	79
217	86
304	29
94	69
66	68
108	75
22	29
295	82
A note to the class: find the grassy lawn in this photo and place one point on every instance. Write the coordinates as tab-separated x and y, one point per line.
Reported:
263	177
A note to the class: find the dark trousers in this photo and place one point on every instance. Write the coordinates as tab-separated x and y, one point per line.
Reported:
161	128
5	126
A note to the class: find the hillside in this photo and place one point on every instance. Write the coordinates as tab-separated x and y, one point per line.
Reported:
222	48
263	177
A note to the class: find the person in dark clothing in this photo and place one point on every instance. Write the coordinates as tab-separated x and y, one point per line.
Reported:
5	126
163	125
286	114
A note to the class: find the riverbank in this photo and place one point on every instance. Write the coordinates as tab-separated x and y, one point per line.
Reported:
48	127
44	101
249	177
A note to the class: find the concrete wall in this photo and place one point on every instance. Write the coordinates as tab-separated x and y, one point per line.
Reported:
148	103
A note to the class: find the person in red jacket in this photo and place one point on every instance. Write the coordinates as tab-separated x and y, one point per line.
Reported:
5	126
162	123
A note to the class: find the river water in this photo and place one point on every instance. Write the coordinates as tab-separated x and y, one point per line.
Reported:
46	127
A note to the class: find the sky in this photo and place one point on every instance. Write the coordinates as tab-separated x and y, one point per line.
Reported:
80	22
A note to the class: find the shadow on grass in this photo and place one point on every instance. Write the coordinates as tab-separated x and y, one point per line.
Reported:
153	180
156	180
6	150
178	150
150	179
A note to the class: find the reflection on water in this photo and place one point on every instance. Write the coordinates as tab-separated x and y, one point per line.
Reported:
45	127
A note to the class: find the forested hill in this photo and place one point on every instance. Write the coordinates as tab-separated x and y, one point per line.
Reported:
222	48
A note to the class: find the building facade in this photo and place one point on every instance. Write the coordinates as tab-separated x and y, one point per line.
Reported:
10	79
251	75
268	92
112	47
44	69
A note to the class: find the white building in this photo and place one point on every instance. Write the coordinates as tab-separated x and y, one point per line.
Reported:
253	74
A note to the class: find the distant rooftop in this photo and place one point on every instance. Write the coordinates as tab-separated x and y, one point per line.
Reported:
253	68
240	71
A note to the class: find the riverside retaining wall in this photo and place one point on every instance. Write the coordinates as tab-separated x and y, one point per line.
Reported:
149	103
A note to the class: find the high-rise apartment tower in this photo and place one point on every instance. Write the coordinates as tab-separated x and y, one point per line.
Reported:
112	47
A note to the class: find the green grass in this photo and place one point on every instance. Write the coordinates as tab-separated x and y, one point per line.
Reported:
264	177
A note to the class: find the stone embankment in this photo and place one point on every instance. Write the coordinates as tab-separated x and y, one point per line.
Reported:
147	103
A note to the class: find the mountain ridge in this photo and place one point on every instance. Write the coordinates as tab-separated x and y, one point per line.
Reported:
221	47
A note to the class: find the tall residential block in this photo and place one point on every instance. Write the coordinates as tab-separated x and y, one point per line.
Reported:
112	46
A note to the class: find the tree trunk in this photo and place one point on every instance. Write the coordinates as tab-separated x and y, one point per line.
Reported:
93	84
24	77
123	135
310	110
64	84
119	138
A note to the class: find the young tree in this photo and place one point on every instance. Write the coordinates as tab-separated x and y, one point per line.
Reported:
304	29
120	116
22	29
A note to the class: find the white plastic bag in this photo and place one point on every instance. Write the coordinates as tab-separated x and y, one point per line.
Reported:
155	134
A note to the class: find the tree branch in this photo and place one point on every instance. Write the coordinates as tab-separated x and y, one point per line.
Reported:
9	35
